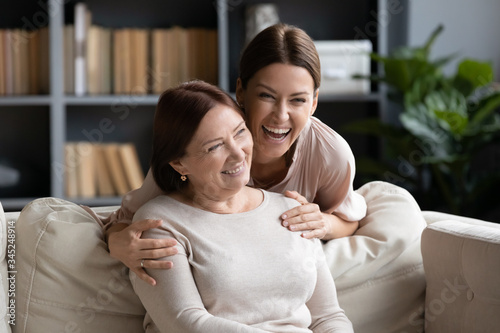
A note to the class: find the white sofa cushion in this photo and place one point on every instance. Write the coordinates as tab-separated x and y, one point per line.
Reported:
462	267
4	282
66	280
378	272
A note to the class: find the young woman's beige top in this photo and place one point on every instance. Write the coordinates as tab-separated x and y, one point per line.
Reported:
322	170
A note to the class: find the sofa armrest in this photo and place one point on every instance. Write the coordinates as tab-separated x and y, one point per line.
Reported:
462	271
433	216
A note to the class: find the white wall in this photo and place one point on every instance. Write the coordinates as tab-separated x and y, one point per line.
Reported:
471	28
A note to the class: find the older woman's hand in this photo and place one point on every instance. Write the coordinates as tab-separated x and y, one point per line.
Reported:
125	244
309	218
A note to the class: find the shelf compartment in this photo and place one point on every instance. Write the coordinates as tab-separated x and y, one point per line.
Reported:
322	20
110	131
25	151
112	123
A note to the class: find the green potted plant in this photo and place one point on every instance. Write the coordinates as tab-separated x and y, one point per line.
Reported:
444	123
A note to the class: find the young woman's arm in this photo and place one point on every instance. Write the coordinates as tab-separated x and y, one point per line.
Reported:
125	244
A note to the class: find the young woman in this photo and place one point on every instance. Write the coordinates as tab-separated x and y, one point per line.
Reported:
237	269
294	152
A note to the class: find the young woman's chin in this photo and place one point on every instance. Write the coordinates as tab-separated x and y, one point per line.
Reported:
272	147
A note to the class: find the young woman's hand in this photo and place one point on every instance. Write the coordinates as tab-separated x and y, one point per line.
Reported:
313	222
125	244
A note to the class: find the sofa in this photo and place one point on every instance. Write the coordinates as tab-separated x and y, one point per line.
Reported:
404	270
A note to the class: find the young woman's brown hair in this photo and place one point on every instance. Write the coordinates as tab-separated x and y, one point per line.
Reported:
280	43
177	117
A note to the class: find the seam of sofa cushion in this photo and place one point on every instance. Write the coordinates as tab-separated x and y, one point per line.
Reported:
33	271
372	282
77	308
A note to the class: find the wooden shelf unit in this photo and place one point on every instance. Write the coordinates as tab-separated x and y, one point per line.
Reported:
63	117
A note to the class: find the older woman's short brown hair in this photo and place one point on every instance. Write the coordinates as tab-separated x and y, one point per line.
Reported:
178	114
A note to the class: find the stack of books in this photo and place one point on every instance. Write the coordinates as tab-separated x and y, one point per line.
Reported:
101	170
100	60
24	62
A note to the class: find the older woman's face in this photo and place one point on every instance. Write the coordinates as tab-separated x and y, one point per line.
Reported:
278	101
218	157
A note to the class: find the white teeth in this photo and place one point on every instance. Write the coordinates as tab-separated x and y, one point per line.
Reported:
277	130
233	171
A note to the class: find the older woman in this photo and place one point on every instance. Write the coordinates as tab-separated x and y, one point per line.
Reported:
238	269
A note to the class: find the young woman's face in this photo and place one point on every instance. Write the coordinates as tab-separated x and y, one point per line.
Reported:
278	101
219	155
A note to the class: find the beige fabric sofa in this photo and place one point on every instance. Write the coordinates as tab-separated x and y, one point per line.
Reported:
400	264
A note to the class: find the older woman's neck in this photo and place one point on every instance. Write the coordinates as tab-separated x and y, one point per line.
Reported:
223	203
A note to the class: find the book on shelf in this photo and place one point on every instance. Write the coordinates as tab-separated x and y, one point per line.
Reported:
9	62
20	49
100	170
180	54
43	51
83	19
71	165
24	61
132	167
2	63
116	168
105	64
105	187
131	61
69	58
99	60
34	63
86	169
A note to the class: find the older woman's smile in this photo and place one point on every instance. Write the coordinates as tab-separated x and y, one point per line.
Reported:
233	171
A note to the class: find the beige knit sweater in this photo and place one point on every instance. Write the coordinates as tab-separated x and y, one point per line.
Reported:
238	273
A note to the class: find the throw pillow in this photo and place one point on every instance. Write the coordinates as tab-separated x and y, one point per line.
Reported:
378	271
66	280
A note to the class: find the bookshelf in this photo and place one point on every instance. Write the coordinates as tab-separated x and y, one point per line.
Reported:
35	128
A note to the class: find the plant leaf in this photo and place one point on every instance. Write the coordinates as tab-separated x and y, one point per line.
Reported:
472	74
432	38
450	109
452	121
485	108
397	74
